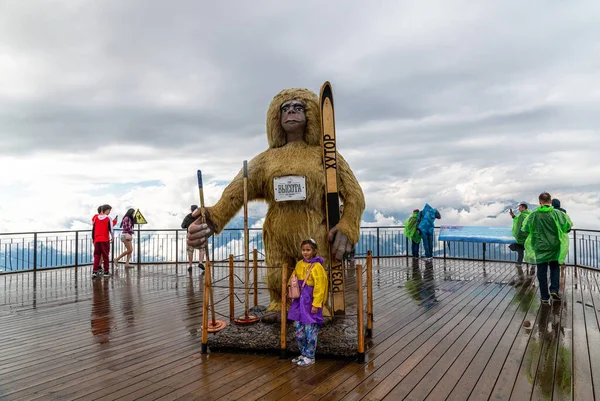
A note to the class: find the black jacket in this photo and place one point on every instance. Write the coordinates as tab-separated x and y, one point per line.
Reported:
187	221
556	205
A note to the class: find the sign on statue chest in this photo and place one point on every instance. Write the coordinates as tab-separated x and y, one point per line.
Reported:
297	177
289	188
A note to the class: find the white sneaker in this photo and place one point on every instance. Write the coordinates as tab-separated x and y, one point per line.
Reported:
306	361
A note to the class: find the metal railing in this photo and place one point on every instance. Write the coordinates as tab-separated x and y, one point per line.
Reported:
43	250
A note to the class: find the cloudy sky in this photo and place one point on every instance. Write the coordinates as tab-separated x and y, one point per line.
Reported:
468	105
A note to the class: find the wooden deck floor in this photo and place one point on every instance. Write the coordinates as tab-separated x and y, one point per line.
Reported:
450	330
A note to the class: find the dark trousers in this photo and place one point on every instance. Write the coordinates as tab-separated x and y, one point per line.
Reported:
542	275
101	249
427	239
415	248
520	250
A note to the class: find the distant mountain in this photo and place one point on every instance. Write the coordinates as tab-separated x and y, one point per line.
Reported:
238	222
514	205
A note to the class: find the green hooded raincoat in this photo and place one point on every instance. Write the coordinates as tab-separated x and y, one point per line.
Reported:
547	239
520	235
410	228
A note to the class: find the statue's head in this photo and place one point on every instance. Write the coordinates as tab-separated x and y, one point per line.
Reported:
293	116
290	110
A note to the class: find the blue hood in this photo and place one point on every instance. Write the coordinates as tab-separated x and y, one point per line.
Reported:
427	219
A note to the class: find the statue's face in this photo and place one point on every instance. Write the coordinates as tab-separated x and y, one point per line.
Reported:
293	115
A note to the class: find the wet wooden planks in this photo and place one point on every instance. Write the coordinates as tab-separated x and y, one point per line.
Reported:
446	330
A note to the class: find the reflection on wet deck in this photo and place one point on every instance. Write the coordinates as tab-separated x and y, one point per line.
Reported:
447	330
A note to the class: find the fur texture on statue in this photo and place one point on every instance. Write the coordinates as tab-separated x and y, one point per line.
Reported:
288	223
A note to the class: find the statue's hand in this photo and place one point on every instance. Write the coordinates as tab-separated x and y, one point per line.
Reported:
340	244
198	232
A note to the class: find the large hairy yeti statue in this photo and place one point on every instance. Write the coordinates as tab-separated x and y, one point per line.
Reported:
293	132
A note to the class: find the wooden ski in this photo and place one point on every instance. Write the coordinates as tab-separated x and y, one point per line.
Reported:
332	200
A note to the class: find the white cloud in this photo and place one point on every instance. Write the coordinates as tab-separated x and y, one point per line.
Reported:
381	220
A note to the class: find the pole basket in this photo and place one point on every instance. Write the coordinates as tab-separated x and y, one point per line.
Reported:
215	325
246	320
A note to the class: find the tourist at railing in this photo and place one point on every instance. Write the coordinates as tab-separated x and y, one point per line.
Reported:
520	235
127	225
102	233
556	205
411	232
426	227
547	244
114	223
187	221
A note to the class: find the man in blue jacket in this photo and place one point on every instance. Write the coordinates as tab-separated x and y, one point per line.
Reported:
426	225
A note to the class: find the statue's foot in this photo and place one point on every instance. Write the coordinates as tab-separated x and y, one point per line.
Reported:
271	318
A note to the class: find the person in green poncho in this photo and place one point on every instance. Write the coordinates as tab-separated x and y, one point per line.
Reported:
520	236
547	244
411	232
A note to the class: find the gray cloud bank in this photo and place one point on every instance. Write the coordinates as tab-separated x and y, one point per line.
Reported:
456	104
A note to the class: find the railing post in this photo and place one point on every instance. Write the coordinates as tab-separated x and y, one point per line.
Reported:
76	248
378	253
212	252
231	294
177	247
574	248
483	243
139	250
34	251
255	273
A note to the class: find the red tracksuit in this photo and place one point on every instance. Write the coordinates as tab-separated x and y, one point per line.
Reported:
101	233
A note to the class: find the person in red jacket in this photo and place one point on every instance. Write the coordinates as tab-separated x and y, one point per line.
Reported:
102	233
114	223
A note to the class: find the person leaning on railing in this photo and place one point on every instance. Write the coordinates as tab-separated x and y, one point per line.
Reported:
412	233
426	227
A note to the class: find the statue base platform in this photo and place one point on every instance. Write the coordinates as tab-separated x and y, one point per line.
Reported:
336	339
